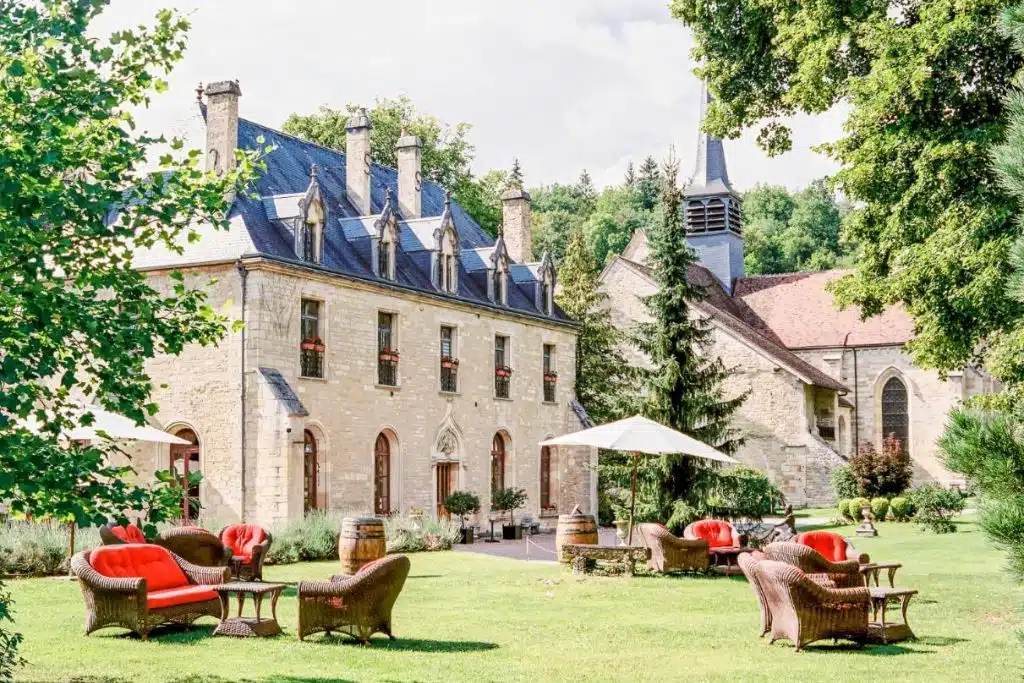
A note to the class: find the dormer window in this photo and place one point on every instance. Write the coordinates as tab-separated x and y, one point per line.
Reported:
309	230
545	292
545	297
500	285
447	254
385	262
385	241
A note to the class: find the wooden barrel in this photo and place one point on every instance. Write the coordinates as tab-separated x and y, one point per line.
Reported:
361	542
574	528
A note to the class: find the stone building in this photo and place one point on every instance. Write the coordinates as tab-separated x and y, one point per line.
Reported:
391	351
821	382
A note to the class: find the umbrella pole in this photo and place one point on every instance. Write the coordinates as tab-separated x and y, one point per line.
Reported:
632	501
72	549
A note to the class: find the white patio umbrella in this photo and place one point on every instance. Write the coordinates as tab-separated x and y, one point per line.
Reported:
119	427
638	435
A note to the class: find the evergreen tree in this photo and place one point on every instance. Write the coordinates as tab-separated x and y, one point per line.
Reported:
684	387
605	381
648	184
630	178
515	176
585	194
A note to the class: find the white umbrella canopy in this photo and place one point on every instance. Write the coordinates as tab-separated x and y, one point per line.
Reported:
640	436
119	427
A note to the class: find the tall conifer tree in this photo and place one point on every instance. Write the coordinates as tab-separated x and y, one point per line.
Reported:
685	383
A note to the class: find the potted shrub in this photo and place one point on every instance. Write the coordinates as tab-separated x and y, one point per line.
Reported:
509	500
460	504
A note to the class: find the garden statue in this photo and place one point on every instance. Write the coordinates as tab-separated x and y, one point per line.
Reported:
867	527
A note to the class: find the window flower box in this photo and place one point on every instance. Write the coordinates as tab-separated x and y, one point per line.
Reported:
449	363
316	344
503	371
388	355
550	376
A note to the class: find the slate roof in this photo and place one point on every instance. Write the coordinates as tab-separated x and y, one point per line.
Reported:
710	176
262	226
721	309
800	313
284	393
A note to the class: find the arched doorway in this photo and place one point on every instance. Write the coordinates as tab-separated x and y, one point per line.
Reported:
499	457
895	412
546	499
310	469
185	460
382	475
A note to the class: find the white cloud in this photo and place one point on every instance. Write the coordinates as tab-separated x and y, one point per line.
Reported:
561	85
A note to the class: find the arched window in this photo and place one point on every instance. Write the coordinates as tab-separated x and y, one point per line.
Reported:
382	475
545	478
185	461
386	259
895	414
497	463
310	467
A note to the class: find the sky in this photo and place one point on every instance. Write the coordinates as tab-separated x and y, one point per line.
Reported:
561	85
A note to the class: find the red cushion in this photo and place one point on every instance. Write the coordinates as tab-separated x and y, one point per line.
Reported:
151	562
718	534
831	546
183	595
129	534
242	539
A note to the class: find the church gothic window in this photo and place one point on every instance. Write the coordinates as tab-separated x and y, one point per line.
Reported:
895	412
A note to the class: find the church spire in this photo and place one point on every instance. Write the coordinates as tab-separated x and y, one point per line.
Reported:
710	176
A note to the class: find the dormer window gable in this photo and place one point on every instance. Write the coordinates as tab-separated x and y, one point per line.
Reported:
309	228
545	286
445	257
497	282
384	240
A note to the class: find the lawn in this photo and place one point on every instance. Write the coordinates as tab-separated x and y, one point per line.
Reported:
468	617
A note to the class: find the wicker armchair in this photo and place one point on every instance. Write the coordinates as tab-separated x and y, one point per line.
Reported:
717	533
171	590
669	553
249	545
844	574
115	534
195	545
358	605
803	611
832	546
746	563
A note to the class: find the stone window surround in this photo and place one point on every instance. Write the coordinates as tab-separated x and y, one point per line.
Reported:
456	338
509	362
395	466
396	343
510	460
879	384
322	332
554	368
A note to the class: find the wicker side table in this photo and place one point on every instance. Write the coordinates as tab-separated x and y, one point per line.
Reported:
248	627
873	570
879	629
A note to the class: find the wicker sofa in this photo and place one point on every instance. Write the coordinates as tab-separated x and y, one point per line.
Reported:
358	605
195	545
669	553
116	534
140	586
746	563
249	545
831	546
845	574
803	611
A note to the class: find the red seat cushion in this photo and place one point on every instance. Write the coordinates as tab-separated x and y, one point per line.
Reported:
129	534
183	595
151	562
242	539
718	534
831	546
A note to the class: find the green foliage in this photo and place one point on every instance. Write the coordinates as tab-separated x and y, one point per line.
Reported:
40	548
844	483
936	506
786	232
742	493
880	508
684	387
987	447
508	500
923	84
901	508
447	151
605	381
76	321
424	534
842	507
314	537
10	661
462	503
856	506
884	473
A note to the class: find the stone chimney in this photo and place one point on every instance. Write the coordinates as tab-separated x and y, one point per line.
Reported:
221	125
515	215
357	162
410	156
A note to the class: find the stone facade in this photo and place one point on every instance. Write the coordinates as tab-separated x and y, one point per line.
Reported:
347	410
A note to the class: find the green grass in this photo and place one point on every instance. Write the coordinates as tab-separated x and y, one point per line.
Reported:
474	618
